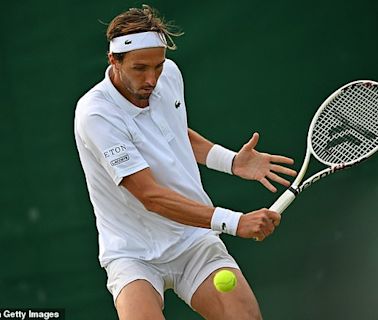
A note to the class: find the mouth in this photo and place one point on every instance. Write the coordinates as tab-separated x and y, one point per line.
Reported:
148	89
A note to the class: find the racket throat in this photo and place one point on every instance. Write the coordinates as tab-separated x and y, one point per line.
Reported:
294	190
320	175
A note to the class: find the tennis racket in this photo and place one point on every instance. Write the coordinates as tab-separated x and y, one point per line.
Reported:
343	133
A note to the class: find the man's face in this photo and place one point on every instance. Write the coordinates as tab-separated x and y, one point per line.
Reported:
136	76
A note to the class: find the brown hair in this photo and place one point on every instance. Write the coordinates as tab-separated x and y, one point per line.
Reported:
141	20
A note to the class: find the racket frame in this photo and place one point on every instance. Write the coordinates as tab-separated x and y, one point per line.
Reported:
298	186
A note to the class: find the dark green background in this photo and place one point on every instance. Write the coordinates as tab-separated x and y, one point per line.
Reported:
248	66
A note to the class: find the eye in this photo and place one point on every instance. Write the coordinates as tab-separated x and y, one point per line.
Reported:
139	68
160	66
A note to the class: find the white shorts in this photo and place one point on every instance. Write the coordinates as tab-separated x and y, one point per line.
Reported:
183	274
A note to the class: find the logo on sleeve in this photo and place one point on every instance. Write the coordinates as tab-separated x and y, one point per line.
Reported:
177	104
118	161
116	155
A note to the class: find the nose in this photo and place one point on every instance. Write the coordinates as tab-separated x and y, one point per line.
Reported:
151	78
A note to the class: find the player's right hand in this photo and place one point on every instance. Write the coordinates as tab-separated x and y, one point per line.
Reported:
258	224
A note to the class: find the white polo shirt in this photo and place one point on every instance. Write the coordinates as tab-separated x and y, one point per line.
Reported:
115	139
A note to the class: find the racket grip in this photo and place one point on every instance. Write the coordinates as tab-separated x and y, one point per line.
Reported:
283	201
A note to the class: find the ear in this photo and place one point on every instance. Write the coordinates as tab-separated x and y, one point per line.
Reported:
114	62
111	59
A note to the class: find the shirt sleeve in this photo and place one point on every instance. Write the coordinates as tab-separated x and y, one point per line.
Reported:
111	144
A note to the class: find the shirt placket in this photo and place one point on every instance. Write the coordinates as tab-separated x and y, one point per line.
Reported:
162	124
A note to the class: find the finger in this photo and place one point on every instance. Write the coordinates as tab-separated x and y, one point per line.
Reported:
274	217
274	177
259	236
265	182
251	144
268	228
281	159
280	169
266	231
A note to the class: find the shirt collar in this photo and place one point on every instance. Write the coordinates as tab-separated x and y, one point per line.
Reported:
121	101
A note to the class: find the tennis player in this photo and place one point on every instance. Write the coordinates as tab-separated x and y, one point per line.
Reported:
157	227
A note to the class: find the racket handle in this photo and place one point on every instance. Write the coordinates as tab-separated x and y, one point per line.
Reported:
283	201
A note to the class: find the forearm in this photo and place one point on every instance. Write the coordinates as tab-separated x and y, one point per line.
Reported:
176	207
167	203
200	145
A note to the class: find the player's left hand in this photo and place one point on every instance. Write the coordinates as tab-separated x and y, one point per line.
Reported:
264	167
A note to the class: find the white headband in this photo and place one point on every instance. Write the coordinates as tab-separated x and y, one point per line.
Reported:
135	41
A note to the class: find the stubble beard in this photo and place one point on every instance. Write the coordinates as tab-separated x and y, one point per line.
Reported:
136	95
132	92
139	96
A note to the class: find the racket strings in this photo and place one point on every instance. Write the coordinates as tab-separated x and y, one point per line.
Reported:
347	128
364	104
363	109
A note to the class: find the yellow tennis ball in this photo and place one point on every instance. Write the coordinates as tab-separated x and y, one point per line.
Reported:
224	281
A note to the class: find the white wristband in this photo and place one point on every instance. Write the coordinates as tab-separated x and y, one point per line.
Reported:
225	220
220	158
